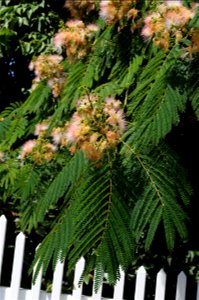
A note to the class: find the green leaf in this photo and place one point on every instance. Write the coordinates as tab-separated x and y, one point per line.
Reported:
70	174
157	217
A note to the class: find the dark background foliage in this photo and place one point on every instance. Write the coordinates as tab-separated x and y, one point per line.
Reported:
15	77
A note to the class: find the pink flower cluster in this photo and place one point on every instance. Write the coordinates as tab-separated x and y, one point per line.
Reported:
27	148
75	39
80	9
168	23
112	11
40	150
95	127
48	67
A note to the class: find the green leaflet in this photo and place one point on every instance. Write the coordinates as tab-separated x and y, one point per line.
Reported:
27	183
16	123
70	173
55	245
16	130
195	102
8	173
155	106
114	238
96	218
160	197
36	100
157	217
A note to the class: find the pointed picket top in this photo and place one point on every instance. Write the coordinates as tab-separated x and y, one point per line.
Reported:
3	224
3	220
77	290
119	287
57	280
141	270
160	288
17	266
140	283
181	286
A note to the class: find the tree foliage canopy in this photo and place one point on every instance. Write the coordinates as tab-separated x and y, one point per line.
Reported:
90	144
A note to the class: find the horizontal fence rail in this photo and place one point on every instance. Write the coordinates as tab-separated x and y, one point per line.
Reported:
15	292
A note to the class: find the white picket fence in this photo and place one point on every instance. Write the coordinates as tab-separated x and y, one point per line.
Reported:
14	292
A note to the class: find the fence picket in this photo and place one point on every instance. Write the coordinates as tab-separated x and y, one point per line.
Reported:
36	287
140	284
77	290
98	295
3	223
160	285
119	287
57	280
17	267
35	293
181	286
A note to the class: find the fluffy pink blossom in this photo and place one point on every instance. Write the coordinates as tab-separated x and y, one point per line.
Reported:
48	67
112	11
75	24
95	127
93	27
40	128
117	121
57	134
168	24
55	59
112	103
59	40
173	3
153	24
178	18
147	32
75	39
27	148
75	128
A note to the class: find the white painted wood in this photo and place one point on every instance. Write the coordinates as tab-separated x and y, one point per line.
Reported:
25	294
181	286
197	296
36	287
98	295
45	296
3	223
2	292
119	287
77	290
71	297
160	288
14	292
57	280
17	267
140	284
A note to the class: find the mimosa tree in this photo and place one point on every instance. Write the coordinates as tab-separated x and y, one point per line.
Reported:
90	144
